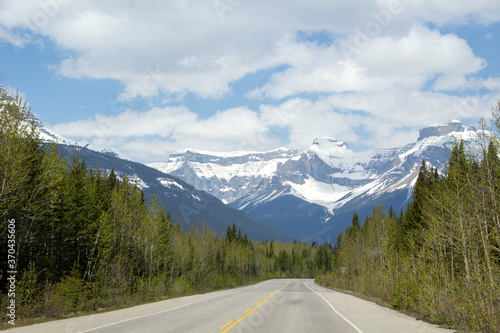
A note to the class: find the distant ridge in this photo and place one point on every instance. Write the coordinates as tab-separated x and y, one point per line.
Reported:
312	194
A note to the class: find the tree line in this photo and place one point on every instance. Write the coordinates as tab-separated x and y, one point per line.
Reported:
86	240
441	258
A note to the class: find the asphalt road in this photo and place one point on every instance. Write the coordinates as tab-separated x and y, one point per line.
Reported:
289	305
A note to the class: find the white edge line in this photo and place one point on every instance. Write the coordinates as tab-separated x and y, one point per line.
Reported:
335	310
147	315
164	311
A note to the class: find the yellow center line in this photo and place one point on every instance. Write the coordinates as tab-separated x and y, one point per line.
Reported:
247	310
249	313
222	327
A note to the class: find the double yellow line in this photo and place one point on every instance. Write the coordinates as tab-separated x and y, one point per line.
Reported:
249	312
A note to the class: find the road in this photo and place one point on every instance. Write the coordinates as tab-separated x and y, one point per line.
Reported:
288	305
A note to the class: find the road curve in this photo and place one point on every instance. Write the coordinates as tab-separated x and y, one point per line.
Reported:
288	305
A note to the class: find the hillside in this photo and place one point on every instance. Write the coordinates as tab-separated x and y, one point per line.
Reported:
186	204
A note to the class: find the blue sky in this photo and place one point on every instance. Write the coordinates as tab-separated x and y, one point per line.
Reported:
146	78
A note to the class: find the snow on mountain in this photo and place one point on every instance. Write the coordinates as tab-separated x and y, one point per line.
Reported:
46	135
169	182
227	176
327	179
225	165
323	194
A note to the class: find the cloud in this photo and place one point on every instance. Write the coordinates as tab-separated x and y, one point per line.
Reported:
154	134
357	70
11	37
385	62
365	120
449	12
176	47
157	121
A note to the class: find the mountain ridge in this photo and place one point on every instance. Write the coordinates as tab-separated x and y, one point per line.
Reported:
327	179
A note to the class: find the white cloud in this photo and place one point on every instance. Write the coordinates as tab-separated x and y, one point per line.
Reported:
385	62
451	82
307	120
442	12
159	131
157	121
361	119
373	70
194	46
11	37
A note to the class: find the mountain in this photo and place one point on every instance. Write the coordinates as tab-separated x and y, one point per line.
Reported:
186	204
311	195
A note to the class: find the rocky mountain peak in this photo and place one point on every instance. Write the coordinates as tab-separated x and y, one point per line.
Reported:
442	130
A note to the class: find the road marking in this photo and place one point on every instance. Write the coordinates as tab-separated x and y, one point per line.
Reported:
164	311
247	310
249	313
222	327
148	315
335	310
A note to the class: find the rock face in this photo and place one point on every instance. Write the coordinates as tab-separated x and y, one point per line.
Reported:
441	130
228	176
311	195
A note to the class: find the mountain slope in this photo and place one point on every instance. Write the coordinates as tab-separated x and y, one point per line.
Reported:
311	195
187	205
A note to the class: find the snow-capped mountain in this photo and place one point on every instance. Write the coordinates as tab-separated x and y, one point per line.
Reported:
311	195
228	176
48	135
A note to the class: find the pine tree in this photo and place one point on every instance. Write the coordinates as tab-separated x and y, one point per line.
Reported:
29	180
414	222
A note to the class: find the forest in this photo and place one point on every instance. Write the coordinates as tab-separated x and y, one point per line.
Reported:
76	239
439	260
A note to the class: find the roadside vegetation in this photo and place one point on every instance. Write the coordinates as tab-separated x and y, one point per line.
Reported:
86	241
440	259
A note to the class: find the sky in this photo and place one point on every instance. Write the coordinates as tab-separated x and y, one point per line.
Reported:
148	78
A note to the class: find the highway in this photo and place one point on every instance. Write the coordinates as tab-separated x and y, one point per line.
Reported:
288	305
